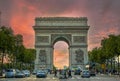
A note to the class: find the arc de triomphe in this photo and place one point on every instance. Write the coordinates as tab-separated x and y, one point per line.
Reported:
72	30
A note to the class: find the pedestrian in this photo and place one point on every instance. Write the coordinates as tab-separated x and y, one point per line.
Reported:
69	73
65	74
55	73
60	71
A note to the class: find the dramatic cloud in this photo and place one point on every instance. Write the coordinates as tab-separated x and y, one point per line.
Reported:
103	16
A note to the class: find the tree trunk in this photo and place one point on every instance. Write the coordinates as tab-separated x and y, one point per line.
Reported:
2	63
118	65
111	64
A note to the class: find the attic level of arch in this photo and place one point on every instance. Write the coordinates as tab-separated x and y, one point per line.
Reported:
65	22
61	19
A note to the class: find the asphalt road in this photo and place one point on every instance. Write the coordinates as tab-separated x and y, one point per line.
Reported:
74	78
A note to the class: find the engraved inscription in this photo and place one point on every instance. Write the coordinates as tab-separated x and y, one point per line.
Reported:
43	39
79	39
42	57
79	56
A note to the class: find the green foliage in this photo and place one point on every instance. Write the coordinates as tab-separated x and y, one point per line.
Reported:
97	55
54	68
110	48
12	46
6	39
29	55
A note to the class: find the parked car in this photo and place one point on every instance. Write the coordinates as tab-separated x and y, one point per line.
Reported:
26	72
41	74
19	74
85	74
10	73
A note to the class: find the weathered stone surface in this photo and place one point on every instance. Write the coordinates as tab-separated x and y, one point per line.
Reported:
42	39
72	30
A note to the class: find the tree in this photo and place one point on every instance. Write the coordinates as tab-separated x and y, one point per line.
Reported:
6	41
118	50
29	55
111	46
97	55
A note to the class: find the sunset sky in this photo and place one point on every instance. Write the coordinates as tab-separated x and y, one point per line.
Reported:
103	16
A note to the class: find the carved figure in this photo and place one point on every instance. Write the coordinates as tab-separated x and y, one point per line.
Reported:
79	56
42	56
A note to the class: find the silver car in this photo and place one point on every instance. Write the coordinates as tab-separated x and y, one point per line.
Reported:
41	74
19	74
26	72
85	74
10	73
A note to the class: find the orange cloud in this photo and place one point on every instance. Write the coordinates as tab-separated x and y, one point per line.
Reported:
103	17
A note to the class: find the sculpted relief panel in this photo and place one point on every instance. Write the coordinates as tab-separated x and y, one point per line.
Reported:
79	39
42	57
42	39
79	56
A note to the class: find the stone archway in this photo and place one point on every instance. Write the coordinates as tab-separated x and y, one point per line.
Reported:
72	30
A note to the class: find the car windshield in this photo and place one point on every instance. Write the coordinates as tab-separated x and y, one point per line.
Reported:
85	71
9	70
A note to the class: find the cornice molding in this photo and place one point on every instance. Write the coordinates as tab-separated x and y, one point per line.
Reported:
61	19
61	27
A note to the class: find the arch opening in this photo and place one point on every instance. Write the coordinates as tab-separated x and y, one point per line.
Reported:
61	54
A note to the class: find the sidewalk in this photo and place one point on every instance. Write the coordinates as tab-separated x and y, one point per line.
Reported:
114	76
1	76
109	75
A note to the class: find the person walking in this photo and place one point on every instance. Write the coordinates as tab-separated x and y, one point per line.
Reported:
69	73
55	73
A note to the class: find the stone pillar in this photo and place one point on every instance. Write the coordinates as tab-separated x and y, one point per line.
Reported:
49	58
70	56
37	59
